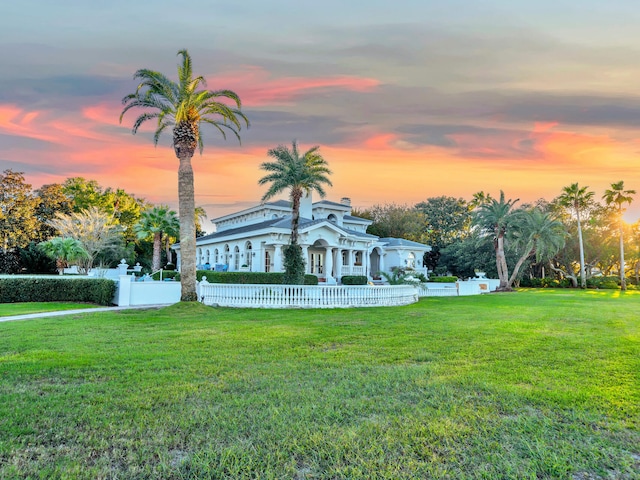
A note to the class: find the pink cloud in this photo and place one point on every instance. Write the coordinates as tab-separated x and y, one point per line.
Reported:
257	87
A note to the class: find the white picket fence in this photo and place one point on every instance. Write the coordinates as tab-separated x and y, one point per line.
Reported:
306	296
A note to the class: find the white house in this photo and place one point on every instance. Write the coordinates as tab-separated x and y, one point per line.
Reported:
334	243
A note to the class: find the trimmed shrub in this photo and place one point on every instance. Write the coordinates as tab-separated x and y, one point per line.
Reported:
354	280
610	282
451	279
293	265
34	289
272	278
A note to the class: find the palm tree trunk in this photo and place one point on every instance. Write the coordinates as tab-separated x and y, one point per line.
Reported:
583	273
296	195
186	207
623	279
501	264
528	252
157	246
167	249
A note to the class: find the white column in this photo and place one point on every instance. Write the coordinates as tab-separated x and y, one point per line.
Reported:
381	267
124	291
277	259
305	255
366	263
328	265
339	264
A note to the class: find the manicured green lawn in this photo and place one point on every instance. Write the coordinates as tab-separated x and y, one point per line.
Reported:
10	309
535	384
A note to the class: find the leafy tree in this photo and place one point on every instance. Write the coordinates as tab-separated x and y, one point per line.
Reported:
125	209
578	199
53	200
475	252
83	193
94	229
617	196
392	220
183	106
64	251
18	221
299	174
447	219
34	260
157	222
535	233
494	217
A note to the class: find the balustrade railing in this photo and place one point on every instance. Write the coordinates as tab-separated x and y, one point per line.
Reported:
306	296
352	270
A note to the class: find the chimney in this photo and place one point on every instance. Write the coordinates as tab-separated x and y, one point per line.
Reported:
306	206
345	201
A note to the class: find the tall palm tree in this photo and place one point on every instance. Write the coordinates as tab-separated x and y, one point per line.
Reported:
184	106
577	198
300	175
535	233
618	196
494	216
157	222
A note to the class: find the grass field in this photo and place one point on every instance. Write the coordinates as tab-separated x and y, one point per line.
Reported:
10	309
534	384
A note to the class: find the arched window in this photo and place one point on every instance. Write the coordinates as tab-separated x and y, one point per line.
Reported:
411	260
267	262
358	259
207	257
226	254
236	258
249	254
199	257
216	256
332	218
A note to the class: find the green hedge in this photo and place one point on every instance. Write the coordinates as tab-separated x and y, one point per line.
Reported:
260	278
452	279
34	289
354	280
610	282
545	283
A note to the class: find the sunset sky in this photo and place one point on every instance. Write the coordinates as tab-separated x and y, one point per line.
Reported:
407	99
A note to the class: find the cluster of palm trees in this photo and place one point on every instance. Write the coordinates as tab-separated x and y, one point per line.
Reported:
538	233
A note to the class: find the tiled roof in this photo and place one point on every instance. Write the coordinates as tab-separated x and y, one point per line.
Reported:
329	202
280	203
351	218
401	242
280	222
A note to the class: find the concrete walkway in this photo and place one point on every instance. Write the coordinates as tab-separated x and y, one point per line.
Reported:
74	312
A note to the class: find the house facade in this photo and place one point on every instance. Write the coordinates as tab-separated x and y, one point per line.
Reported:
334	243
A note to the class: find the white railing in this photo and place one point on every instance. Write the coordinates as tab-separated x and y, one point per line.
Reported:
306	296
438	292
352	270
